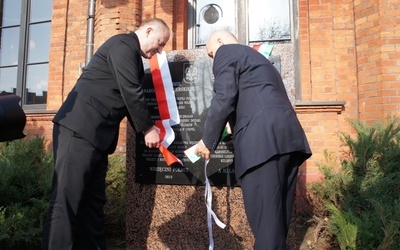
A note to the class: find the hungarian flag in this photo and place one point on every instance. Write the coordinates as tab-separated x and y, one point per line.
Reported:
168	109
265	48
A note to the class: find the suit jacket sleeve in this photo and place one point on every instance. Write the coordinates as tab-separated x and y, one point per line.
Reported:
224	101
126	65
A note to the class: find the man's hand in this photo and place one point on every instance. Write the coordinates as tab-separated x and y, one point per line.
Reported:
202	150
152	137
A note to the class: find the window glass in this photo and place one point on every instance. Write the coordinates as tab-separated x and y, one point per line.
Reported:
214	15
39	43
8	80
36	83
40	10
269	20
9	45
24	48
11	11
251	20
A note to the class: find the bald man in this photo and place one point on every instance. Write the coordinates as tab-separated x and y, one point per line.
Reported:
86	131
269	142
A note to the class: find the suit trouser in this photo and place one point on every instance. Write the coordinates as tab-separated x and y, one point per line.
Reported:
77	195
268	192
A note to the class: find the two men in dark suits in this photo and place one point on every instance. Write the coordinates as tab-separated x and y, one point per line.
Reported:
269	142
86	130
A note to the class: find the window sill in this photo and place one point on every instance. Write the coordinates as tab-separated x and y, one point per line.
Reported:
320	107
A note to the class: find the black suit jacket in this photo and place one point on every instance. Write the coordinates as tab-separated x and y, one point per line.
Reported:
249	91
108	90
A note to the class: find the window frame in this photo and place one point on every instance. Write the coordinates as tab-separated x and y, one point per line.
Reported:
22	64
242	24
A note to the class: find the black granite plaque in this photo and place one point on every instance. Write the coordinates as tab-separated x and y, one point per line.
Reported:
192	81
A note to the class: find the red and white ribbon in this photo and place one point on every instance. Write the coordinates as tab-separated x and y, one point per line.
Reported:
167	107
169	116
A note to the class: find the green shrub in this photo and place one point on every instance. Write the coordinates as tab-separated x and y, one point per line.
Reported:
25	181
115	193
361	198
26	169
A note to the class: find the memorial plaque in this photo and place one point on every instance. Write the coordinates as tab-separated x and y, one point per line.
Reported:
192	82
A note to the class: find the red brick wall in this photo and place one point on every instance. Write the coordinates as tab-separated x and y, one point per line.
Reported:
115	17
40	125
328	73
377	25
57	54
348	52
174	13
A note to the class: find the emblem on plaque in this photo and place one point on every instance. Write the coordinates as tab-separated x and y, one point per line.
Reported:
190	73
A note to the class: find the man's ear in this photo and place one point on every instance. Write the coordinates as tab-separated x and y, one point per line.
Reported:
148	31
220	42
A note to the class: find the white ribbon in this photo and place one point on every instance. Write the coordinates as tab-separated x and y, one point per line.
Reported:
210	212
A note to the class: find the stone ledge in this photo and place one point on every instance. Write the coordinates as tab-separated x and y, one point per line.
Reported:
302	107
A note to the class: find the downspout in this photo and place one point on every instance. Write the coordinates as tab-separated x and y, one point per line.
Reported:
90	31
